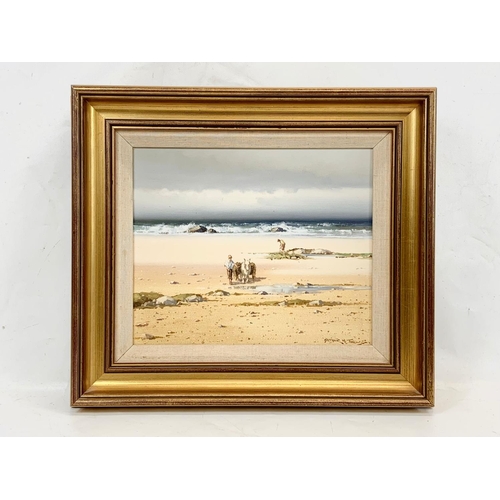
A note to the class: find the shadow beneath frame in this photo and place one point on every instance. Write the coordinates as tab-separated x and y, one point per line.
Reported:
48	412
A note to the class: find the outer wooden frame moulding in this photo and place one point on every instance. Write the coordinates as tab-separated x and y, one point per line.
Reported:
406	380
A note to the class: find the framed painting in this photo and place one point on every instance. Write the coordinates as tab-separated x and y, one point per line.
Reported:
253	247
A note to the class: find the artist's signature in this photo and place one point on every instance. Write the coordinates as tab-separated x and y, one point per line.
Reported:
344	341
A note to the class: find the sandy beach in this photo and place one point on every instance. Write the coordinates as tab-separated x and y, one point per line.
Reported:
284	305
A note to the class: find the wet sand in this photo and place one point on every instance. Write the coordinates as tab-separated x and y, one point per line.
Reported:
194	264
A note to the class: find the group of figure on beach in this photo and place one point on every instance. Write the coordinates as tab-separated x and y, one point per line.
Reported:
241	271
238	270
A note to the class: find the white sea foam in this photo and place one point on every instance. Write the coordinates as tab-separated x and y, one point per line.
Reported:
330	229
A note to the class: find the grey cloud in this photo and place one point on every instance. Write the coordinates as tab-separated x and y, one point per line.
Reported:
252	184
305	204
258	170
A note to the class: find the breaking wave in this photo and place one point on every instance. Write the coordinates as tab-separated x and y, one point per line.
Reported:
330	229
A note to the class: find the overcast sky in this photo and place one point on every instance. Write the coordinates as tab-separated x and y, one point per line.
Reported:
252	184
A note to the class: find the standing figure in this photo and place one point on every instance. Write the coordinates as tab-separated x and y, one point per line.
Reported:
282	245
229	265
253	269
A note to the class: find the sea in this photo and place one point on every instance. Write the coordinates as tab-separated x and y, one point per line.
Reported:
335	229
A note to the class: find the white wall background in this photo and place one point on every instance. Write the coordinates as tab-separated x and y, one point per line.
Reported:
35	252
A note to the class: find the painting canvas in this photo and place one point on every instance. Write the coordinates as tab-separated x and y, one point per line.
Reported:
252	246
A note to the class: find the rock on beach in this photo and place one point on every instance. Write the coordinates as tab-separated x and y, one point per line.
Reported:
194	298
321	251
197	229
316	303
311	251
166	301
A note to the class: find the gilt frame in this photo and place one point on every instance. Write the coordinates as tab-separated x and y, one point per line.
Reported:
99	113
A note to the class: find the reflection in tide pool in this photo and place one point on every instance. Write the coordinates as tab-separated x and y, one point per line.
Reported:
307	288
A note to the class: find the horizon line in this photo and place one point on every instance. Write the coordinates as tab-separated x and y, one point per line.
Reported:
281	219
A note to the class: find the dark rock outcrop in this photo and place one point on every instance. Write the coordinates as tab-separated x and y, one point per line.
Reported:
197	229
